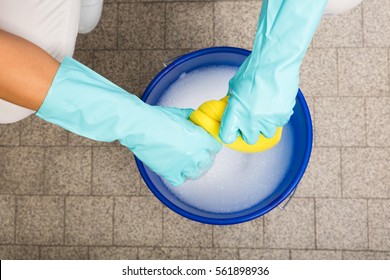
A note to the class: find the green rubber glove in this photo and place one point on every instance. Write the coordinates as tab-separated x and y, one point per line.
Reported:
262	92
84	102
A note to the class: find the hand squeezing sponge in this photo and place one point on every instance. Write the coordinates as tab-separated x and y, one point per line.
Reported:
209	116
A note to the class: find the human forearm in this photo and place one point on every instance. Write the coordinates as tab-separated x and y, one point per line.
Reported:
284	32
26	71
262	92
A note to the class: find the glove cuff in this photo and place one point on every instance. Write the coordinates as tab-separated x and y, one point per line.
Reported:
83	102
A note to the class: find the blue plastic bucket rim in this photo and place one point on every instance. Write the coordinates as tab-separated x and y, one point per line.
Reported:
227	221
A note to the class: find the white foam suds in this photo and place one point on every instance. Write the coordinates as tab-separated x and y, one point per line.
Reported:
237	180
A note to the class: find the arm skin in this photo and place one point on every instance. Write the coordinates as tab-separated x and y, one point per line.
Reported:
26	71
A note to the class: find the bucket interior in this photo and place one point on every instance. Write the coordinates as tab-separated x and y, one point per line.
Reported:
301	129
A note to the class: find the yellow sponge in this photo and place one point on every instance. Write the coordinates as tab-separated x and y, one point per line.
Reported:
209	116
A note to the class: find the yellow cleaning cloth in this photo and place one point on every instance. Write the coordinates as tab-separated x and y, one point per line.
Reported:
209	116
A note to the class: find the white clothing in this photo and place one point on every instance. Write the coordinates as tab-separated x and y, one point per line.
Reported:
90	13
335	7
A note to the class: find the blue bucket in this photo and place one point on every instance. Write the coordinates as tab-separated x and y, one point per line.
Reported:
301	127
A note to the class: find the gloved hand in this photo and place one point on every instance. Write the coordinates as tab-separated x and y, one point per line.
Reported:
82	101
262	92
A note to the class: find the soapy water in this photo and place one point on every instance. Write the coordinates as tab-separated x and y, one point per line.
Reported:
236	181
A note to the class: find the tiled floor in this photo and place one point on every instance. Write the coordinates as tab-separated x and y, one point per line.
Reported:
66	197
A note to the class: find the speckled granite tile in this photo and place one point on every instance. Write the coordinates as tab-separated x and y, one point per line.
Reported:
181	232
15	252
189	25
68	170
7	219
39	220
316	255
202	253
37	132
80	141
379	213
235	23
137	221
344	30
16	165
264	254
339	121
10	134
228	254
64	253
292	227
85	57
366	172
120	67
323	174
113	253
249	234
379	225
162	253
363	72
114	172
88	220
379	239
365	255
341	223
378	121
310	100
144	190
318	75
376	15
152	63
6	252
105	35
141	25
